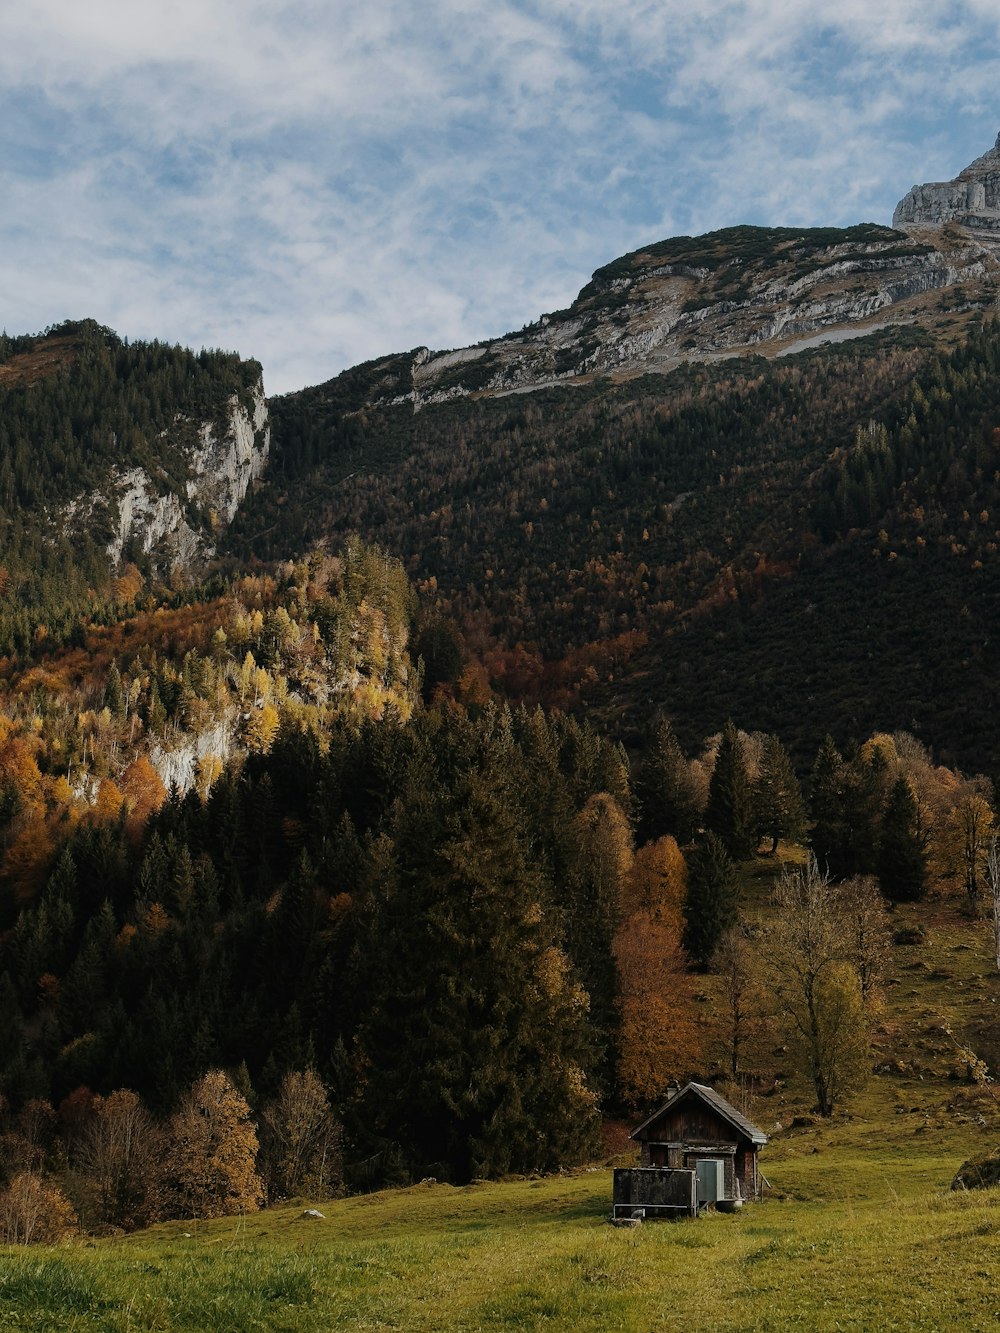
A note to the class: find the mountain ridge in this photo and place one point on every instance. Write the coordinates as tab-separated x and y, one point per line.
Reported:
739	291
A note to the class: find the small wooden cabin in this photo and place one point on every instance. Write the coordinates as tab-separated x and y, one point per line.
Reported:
698	1147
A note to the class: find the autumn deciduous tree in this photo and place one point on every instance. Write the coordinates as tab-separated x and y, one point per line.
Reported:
816	984
210	1166
261	728
736	964
659	1037
144	793
34	1211
966	837
118	1152
301	1139
656	882
866	925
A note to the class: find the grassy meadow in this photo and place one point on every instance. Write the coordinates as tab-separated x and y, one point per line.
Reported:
859	1230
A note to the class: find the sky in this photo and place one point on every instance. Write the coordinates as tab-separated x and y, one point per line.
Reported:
319	182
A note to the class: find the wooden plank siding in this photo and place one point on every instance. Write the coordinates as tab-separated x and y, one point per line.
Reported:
655	1193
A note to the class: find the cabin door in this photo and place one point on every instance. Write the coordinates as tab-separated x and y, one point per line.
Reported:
711	1179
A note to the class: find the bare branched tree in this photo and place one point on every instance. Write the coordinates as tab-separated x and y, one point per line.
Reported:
816	983
301	1139
867	924
118	1152
993	879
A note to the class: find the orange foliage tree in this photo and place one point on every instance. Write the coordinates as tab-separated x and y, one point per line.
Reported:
659	1037
657	882
144	793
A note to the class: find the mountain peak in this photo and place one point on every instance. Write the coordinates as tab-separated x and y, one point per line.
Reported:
972	199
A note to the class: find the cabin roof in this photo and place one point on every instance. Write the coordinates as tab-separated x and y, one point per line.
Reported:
718	1104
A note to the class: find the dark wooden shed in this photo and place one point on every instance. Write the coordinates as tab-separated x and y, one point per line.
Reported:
697	1144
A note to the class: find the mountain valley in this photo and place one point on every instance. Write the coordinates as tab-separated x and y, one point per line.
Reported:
420	738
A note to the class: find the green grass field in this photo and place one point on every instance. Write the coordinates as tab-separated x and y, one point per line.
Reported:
865	1235
859	1231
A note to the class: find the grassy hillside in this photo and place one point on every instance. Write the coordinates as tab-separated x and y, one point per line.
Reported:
860	1231
859	1227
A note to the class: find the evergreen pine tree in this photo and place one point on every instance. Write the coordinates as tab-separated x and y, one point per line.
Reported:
474	1027
593	896
862	800
826	808
114	693
902	849
664	791
710	907
729	813
778	806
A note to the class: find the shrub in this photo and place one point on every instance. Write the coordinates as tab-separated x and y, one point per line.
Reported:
34	1211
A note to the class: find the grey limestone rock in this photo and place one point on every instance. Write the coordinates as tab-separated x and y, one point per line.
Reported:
972	199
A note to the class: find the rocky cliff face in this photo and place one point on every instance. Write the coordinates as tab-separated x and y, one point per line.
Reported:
971	200
176	526
742	291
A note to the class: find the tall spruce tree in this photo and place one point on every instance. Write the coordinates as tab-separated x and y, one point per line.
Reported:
779	811
592	906
902	848
663	789
729	812
826	807
710	907
475	1029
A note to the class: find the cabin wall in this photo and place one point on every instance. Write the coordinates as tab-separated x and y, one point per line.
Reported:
693	1156
692	1122
746	1170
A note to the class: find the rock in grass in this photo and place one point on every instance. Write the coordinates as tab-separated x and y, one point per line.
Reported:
978	1173
910	935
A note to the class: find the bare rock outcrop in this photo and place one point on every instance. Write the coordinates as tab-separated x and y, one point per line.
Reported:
972	199
175	524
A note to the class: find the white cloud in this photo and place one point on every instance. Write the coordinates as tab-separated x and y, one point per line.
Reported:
316	183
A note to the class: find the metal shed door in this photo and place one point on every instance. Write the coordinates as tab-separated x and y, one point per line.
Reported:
711	1179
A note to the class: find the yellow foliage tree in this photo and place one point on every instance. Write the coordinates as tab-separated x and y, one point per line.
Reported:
210	1167
209	769
605	840
963	839
261	728
656	882
143	790
109	802
302	1138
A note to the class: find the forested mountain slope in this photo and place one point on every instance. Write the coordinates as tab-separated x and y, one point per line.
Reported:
807	542
114	453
